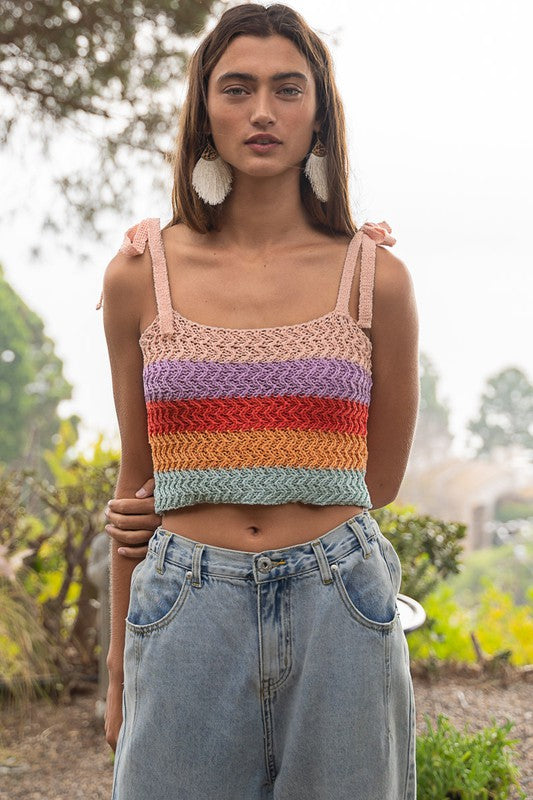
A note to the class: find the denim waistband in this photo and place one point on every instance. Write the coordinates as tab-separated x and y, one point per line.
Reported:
351	534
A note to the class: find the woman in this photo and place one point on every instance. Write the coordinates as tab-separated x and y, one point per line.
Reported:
259	652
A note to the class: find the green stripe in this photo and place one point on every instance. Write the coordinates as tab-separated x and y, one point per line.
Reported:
260	485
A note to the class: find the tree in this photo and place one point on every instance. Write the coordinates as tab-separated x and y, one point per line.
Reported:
31	382
109	71
505	415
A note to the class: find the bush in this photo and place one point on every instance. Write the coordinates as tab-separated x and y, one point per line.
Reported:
48	620
461	766
429	549
507	566
498	624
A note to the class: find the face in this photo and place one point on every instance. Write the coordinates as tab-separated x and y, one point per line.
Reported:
261	100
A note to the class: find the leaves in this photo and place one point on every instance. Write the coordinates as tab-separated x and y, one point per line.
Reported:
108	72
465	766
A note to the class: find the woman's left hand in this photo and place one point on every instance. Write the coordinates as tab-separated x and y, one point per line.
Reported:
132	521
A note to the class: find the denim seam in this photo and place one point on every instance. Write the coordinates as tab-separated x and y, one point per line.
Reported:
411	738
288	644
384	628
152	627
387	688
385	556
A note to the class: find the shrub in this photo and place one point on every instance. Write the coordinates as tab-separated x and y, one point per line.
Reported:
429	549
461	766
498	624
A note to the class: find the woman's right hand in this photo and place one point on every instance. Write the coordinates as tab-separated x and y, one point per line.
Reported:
113	710
132	521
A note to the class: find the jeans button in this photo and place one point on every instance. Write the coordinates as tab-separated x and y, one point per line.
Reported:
264	564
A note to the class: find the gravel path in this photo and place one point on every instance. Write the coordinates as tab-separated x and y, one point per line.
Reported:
58	751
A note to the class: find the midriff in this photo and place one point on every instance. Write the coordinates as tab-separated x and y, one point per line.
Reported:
255	528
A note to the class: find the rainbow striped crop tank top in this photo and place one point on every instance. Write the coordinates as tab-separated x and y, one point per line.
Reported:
259	415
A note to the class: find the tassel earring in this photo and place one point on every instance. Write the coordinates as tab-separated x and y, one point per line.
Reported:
316	170
211	177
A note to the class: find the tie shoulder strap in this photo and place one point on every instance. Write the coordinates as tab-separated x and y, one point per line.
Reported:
133	244
367	237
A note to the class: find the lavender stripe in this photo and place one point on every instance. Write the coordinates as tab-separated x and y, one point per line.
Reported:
322	377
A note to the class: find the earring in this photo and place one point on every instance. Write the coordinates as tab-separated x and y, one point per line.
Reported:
211	177
316	170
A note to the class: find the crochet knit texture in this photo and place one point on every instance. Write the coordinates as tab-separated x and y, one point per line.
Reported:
259	415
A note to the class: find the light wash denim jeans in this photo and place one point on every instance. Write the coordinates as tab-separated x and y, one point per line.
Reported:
279	675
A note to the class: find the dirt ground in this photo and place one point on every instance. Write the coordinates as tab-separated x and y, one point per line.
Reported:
57	751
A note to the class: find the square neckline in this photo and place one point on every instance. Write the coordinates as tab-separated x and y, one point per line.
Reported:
335	311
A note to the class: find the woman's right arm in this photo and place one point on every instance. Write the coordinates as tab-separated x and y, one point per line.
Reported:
124	295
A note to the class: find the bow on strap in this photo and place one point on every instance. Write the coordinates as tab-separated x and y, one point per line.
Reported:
379	232
133	244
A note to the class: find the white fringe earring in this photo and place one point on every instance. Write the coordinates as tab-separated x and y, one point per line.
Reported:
211	177
316	170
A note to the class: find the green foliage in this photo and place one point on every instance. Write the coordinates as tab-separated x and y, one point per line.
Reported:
428	548
465	766
499	627
505	413
112	72
27	651
31	382
509	508
509	567
44	559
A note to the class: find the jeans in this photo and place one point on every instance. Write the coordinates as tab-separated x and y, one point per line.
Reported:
280	674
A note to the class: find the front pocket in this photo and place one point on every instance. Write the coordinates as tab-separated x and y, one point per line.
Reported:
365	588
156	598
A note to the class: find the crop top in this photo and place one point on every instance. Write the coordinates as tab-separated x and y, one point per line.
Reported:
259	415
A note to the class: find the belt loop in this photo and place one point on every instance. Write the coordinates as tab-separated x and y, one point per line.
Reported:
161	550
323	563
196	562
361	537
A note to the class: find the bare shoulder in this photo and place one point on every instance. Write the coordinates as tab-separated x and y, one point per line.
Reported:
394	305
392	277
126	285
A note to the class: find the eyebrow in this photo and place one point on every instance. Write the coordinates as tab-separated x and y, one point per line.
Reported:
246	76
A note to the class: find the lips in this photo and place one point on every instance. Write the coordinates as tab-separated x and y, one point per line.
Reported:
262	139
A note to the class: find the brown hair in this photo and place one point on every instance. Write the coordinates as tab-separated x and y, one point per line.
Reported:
254	19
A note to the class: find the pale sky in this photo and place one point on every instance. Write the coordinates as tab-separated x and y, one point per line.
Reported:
437	100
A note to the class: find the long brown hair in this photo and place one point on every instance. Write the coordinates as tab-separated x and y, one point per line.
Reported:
254	19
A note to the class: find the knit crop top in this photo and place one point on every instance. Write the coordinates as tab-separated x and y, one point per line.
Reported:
259	415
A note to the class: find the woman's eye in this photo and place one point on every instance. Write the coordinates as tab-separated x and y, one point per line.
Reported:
236	90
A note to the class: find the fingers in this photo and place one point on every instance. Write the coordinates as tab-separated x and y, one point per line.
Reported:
128	538
133	552
147	488
132	522
132	505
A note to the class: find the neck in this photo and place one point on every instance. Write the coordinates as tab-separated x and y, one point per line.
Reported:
259	212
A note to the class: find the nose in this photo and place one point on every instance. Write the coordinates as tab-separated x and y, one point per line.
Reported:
262	113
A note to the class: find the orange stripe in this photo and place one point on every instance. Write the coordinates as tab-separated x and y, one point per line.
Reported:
233	450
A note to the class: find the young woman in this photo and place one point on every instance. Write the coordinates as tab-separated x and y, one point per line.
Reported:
265	374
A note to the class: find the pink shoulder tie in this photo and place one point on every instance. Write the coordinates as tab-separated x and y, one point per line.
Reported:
376	233
133	244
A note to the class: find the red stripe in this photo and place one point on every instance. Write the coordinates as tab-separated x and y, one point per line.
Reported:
258	413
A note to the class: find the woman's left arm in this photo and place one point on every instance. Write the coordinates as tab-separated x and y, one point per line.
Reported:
395	381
